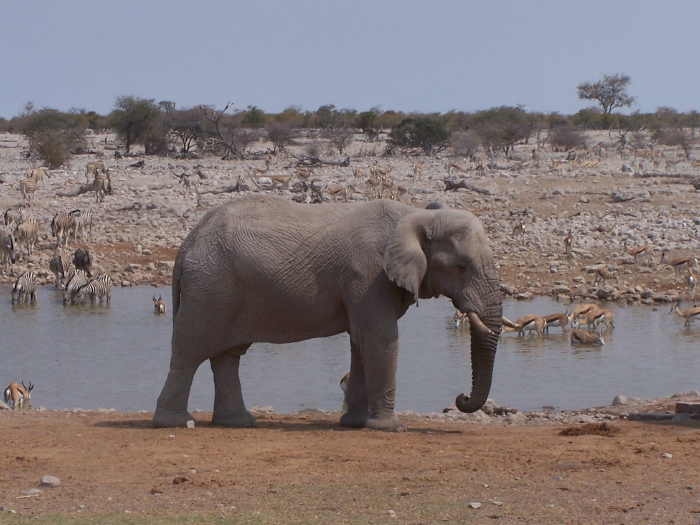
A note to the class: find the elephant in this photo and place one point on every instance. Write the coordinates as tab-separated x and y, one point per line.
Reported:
265	269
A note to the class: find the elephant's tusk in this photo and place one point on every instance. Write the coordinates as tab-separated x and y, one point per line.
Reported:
476	322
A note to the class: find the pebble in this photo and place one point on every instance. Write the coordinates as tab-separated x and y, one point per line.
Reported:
474	505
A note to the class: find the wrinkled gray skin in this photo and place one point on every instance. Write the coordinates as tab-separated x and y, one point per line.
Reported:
262	269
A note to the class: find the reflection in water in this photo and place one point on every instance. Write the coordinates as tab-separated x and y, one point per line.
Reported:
117	356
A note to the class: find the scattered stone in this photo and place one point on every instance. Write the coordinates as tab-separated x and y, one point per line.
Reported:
391	513
620	400
50	481
666	455
474	505
190	423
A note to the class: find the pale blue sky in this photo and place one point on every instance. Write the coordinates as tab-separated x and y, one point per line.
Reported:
404	55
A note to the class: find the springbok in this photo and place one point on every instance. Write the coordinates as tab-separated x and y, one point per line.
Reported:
602	274
679	263
595	317
19	394
579	310
519	232
686	314
344	387
531	323
637	251
459	318
560	319
158	305
692	282
586	338
568	243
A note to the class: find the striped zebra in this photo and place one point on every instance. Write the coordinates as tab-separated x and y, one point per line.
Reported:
24	288
61	226
96	289
82	260
27	187
7	247
59	264
74	280
100	186
14	215
82	222
26	233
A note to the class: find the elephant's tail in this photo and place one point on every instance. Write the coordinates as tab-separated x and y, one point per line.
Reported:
177	277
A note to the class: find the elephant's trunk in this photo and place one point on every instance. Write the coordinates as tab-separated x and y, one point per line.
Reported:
484	341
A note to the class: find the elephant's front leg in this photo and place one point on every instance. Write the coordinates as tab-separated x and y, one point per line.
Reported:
380	375
229	409
379	350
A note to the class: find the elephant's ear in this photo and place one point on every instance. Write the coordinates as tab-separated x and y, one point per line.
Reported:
404	259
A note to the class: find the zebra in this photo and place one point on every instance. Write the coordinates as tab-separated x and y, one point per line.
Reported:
61	226
7	247
59	264
95	289
14	215
82	260
74	280
27	187
82	221
27	232
100	186
24	288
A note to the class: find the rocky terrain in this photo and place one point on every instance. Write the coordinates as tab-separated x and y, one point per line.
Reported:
605	200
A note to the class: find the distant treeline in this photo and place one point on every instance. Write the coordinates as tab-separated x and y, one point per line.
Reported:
162	129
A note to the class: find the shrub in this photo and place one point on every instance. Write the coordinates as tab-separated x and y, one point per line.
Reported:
567	137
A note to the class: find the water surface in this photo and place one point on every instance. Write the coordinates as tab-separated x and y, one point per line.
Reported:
117	356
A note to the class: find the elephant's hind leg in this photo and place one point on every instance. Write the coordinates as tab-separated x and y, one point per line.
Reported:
357	413
229	409
171	410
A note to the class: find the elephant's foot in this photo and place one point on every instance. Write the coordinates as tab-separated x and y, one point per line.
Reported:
355	419
386	423
164	418
233	419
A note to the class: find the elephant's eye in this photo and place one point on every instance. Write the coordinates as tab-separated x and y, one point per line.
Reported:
462	267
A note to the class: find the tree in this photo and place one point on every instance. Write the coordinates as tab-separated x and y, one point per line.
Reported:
54	135
426	133
610	92
340	138
253	117
367	121
280	134
132	119
187	126
501	127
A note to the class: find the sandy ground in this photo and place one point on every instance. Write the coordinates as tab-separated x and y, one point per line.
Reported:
300	468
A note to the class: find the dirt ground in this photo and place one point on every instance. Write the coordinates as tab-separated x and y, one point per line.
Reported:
115	468
302	468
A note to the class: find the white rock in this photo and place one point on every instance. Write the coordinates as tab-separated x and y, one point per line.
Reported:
50	481
474	505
